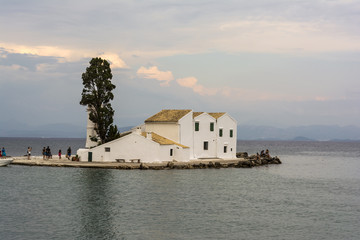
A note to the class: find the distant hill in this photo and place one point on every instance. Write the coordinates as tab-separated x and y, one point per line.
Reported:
299	133
245	132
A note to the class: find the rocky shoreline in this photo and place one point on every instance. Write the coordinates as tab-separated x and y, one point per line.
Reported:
242	161
246	162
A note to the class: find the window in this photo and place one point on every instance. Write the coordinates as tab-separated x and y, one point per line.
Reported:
107	149
220	132
231	133
211	127
225	149
206	145
197	126
171	152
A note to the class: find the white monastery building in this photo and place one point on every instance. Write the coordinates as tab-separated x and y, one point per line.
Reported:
180	135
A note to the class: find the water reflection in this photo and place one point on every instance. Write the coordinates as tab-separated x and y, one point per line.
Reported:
96	218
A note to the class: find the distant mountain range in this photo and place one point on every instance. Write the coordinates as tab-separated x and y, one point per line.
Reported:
245	132
300	133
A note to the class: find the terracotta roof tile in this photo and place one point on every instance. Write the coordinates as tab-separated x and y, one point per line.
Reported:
168	115
216	115
162	140
195	114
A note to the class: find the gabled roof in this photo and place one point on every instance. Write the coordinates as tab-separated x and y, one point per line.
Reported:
195	114
216	115
162	140
168	115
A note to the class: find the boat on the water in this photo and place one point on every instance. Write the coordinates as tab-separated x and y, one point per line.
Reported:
5	161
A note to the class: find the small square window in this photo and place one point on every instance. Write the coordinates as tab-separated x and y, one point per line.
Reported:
197	126
107	149
206	145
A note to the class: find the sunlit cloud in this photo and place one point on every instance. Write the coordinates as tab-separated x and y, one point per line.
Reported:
285	36
115	60
154	73
191	82
62	54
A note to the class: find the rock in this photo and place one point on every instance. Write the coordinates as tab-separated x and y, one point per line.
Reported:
218	165
188	166
244	164
170	165
275	160
143	166
211	165
157	167
242	155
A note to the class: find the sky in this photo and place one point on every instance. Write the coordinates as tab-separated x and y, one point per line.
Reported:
277	63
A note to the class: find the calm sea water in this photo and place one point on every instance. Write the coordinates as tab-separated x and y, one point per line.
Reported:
314	194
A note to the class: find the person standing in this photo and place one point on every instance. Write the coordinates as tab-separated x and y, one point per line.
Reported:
47	152
69	153
44	153
3	153
28	153
59	153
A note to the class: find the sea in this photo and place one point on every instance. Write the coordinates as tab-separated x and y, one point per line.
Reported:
313	194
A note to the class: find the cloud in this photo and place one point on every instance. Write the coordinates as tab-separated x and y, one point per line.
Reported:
13	67
191	82
187	82
62	54
45	67
115	60
286	36
154	73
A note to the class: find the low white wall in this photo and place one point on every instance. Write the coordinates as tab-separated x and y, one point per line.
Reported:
134	147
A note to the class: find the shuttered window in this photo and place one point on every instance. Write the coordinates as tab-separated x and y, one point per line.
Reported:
197	126
220	132
231	133
211	126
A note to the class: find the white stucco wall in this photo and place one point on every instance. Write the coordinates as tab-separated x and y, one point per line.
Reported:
181	154
167	130
90	131
132	146
186	130
204	134
226	123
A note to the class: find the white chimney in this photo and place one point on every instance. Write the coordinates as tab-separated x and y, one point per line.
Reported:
149	135
138	130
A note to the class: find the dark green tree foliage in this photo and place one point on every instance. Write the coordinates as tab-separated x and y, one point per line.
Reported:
113	133
97	96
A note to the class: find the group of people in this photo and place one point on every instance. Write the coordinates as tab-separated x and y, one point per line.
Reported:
2	153
263	153
46	153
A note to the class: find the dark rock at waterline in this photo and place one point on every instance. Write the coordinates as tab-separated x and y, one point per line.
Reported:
143	166
242	155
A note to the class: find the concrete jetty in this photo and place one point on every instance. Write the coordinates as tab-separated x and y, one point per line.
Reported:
199	164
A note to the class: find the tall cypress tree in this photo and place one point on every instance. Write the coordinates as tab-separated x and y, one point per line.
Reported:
97	95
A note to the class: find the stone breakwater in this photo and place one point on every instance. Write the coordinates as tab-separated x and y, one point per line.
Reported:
243	162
